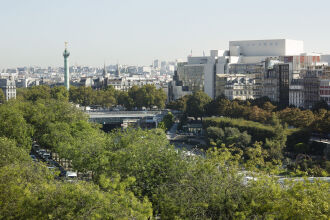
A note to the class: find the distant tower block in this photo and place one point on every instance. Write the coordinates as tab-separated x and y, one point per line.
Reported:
66	54
118	71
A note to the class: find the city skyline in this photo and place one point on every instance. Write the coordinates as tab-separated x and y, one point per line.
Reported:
135	33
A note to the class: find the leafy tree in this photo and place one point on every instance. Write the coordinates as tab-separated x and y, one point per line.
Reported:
214	134
124	99
145	155
14	126
162	126
10	153
322	122
135	170
147	96
268	106
168	120
137	95
277	143
34	93
60	93
28	191
196	104
296	117
108	97
255	157
179	104
82	95
2	96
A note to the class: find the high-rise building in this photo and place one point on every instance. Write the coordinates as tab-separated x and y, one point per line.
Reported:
243	57
156	64
66	54
118	71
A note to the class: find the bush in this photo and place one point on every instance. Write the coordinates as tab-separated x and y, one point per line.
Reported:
258	131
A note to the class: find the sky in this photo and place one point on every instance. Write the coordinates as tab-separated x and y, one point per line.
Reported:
134	32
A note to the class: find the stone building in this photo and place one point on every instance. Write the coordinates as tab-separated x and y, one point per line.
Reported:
8	87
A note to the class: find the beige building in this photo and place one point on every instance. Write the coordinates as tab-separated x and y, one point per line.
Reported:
8	87
237	86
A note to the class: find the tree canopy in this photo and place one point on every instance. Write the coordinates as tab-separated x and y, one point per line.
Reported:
138	174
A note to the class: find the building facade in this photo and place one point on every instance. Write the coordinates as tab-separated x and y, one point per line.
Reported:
8	87
325	90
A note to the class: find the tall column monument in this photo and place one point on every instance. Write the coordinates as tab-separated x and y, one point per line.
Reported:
66	54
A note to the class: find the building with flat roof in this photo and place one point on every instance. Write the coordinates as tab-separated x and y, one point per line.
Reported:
266	48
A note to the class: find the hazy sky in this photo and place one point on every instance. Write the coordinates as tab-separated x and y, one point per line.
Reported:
137	31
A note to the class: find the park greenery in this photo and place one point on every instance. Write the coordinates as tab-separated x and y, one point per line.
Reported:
138	174
258	110
282	133
136	97
167	121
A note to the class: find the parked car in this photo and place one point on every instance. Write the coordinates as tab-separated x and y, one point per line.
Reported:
46	155
71	176
41	152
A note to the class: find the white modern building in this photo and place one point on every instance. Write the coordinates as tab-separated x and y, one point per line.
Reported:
266	48
243	57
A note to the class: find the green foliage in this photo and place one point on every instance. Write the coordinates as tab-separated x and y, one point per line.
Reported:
258	131
147	156
10	153
209	189
28	191
297	200
82	95
14	126
258	110
237	135
214	134
322	122
278	141
221	106
145	96
228	136
297	117
137	173
162	126
2	96
60	93
196	104
179	104
167	121
34	93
